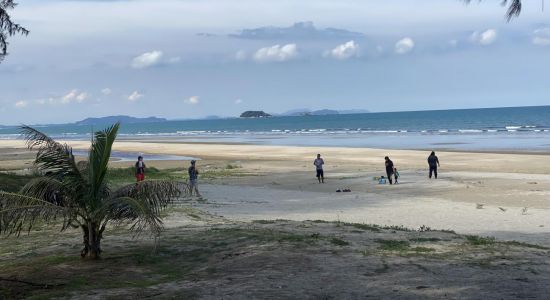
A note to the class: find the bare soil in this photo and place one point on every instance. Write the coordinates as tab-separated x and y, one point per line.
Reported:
207	257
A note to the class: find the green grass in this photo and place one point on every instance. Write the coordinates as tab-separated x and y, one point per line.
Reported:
338	242
480	241
527	245
231	167
424	240
13	183
369	227
269	221
393	245
422	249
120	176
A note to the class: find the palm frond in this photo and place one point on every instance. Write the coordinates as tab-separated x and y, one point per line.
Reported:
45	188
514	9
19	212
100	153
158	193
55	158
139	212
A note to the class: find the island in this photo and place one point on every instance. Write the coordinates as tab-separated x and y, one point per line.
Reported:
121	119
255	114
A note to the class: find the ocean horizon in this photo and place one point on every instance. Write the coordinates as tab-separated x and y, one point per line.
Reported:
509	128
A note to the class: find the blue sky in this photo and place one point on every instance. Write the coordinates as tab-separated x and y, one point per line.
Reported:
190	58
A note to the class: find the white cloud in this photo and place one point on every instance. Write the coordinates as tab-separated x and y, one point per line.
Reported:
21	104
147	59
484	38
276	53
135	96
404	46
193	100
238	101
106	91
345	51
541	37
82	97
69	97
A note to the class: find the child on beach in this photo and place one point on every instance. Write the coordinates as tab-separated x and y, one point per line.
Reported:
396	174
382	180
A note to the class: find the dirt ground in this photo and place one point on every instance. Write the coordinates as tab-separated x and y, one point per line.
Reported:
208	257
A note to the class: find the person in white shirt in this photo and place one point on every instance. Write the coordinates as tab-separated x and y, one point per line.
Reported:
319	162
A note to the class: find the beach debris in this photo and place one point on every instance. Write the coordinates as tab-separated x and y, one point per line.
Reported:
501	208
479	206
532	182
524	211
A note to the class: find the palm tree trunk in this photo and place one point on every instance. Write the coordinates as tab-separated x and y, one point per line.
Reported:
91	240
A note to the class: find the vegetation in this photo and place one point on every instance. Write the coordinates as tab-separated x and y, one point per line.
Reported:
7	26
13	183
79	196
514	8
393	245
480	241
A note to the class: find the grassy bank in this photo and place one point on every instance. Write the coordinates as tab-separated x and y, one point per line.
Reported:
326	260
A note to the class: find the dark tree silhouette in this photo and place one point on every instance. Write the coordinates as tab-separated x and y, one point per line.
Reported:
8	27
514	8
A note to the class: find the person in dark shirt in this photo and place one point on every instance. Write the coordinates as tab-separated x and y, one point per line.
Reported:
433	162
140	169
193	179
389	169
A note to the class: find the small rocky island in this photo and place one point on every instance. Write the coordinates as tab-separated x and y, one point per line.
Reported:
255	114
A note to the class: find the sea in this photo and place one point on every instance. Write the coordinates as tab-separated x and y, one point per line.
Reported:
487	129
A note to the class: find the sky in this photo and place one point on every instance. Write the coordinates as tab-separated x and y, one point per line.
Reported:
182	59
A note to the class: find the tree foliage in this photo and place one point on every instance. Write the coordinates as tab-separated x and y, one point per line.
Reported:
77	195
514	8
7	26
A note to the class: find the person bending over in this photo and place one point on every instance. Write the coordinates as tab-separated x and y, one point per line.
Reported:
433	162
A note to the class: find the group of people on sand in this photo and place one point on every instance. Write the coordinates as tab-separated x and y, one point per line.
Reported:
192	171
391	170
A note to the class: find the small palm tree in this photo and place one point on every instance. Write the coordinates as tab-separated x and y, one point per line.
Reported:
77	195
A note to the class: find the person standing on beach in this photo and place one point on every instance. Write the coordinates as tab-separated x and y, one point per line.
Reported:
140	169
193	179
389	169
319	162
433	162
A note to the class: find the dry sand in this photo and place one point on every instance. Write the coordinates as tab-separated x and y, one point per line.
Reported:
502	195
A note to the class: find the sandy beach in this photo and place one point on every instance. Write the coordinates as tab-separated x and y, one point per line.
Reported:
505	195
